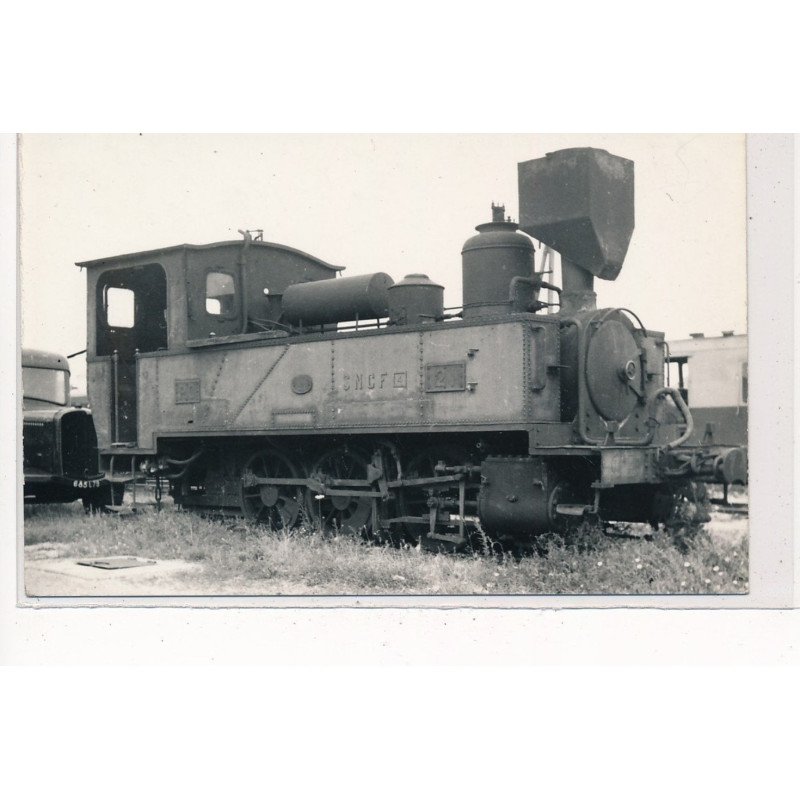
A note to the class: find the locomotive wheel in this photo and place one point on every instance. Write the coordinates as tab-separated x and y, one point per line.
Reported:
276	506
339	512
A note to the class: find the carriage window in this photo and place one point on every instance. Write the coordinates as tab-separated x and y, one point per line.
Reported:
679	375
220	294
119	307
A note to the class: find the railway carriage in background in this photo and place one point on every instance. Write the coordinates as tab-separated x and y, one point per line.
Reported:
253	378
711	374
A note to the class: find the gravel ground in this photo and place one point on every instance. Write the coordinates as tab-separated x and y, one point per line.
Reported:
727	526
48	574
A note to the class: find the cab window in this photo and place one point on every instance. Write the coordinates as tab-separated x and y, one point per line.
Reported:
131	310
220	294
119	307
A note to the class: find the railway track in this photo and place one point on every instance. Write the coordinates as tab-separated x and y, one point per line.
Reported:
731	508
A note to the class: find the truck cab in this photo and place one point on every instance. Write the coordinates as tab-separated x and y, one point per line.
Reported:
59	443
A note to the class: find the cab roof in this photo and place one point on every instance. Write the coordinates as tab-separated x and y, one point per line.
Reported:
237	243
44	359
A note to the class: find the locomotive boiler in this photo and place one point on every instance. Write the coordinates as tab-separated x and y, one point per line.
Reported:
251	378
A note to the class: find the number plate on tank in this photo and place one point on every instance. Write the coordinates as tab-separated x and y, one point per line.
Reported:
446	377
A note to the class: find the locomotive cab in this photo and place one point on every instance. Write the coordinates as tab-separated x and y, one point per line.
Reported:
168	301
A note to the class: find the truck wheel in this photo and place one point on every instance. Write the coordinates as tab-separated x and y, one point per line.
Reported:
109	495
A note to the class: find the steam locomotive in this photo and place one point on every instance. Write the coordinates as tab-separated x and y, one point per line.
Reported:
252	378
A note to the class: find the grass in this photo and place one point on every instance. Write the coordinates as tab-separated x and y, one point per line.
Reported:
252	560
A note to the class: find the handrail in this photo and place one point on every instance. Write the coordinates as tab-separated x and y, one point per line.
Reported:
115	398
682	407
611	311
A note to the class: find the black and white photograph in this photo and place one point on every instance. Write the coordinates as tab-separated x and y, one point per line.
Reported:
392	365
346	354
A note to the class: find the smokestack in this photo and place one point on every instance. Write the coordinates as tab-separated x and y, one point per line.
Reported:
577	288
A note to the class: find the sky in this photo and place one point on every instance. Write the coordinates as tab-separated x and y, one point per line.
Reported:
391	203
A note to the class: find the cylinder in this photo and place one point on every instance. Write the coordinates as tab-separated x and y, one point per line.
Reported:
490	261
416	299
337	300
515	496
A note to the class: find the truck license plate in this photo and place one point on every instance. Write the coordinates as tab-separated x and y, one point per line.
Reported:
88	484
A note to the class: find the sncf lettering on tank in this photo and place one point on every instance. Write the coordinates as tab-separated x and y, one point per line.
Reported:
368	381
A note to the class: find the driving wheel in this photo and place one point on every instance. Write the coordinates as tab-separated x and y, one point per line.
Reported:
342	512
276	506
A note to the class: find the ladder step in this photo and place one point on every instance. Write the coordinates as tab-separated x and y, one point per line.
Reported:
121	510
571	509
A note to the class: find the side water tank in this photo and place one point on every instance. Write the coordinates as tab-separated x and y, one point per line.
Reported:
416	299
490	261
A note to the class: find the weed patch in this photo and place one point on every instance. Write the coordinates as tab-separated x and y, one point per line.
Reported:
304	561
